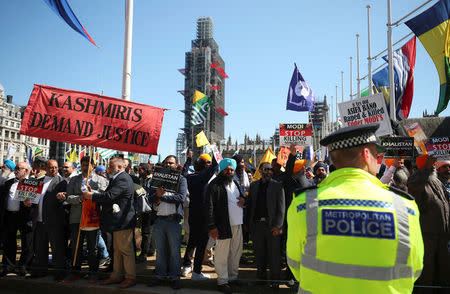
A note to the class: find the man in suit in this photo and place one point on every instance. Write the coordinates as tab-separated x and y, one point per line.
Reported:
15	216
48	223
118	215
75	188
266	213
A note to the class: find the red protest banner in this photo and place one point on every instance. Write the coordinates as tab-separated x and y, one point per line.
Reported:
91	119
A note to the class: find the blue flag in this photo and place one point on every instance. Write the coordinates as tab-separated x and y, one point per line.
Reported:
29	155
300	96
63	10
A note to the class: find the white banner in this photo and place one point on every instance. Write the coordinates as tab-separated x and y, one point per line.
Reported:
366	110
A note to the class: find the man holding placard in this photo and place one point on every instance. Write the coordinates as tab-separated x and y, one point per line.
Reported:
15	216
168	193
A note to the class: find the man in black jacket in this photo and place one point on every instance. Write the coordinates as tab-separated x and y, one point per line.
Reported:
266	213
15	216
48	223
118	216
224	211
198	237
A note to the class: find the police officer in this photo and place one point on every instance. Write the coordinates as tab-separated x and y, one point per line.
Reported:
351	233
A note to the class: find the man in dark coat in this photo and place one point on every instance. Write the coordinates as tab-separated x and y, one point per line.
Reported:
48	223
118	216
198	236
15	216
431	198
266	213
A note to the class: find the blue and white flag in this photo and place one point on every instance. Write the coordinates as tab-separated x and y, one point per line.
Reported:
300	96
309	153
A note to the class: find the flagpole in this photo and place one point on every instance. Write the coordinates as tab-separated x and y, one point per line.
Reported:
369	58
351	77
357	66
126	75
336	107
342	84
391	67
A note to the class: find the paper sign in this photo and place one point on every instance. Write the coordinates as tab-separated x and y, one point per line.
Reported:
366	110
166	178
298	134
439	147
420	139
283	155
398	147
29	189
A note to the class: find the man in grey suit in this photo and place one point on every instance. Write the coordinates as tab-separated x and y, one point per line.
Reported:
265	217
76	186
48	223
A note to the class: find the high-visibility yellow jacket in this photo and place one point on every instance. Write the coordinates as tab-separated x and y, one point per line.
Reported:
353	234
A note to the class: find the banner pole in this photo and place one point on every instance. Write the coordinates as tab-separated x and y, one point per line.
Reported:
391	65
369	58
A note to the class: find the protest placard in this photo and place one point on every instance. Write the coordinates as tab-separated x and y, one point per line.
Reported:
166	178
30	189
217	154
90	119
283	155
439	147
298	134
398	147
420	139
366	110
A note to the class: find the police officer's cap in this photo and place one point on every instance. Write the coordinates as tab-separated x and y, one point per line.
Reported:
353	136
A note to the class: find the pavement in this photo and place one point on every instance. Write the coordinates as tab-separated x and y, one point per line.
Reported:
144	272
14	284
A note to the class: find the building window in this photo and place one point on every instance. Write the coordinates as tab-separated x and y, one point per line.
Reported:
10	113
18	125
6	134
6	123
12	135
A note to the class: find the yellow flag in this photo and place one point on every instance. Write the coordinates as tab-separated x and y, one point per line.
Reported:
201	139
197	96
268	157
73	156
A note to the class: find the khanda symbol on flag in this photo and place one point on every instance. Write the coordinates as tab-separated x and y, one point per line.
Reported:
432	27
200	107
300	96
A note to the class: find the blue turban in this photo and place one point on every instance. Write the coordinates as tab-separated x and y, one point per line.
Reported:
100	169
226	162
9	164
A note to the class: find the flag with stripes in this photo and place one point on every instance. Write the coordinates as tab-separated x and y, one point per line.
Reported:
38	152
106	153
200	107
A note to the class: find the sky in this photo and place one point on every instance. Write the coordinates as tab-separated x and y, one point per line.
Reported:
259	40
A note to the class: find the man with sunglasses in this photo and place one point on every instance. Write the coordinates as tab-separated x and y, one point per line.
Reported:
266	213
352	233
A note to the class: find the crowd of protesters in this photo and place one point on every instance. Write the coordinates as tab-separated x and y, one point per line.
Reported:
220	206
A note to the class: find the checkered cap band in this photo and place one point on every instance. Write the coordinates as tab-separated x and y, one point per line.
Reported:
352	142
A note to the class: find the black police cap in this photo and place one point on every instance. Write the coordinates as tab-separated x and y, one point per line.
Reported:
352	136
